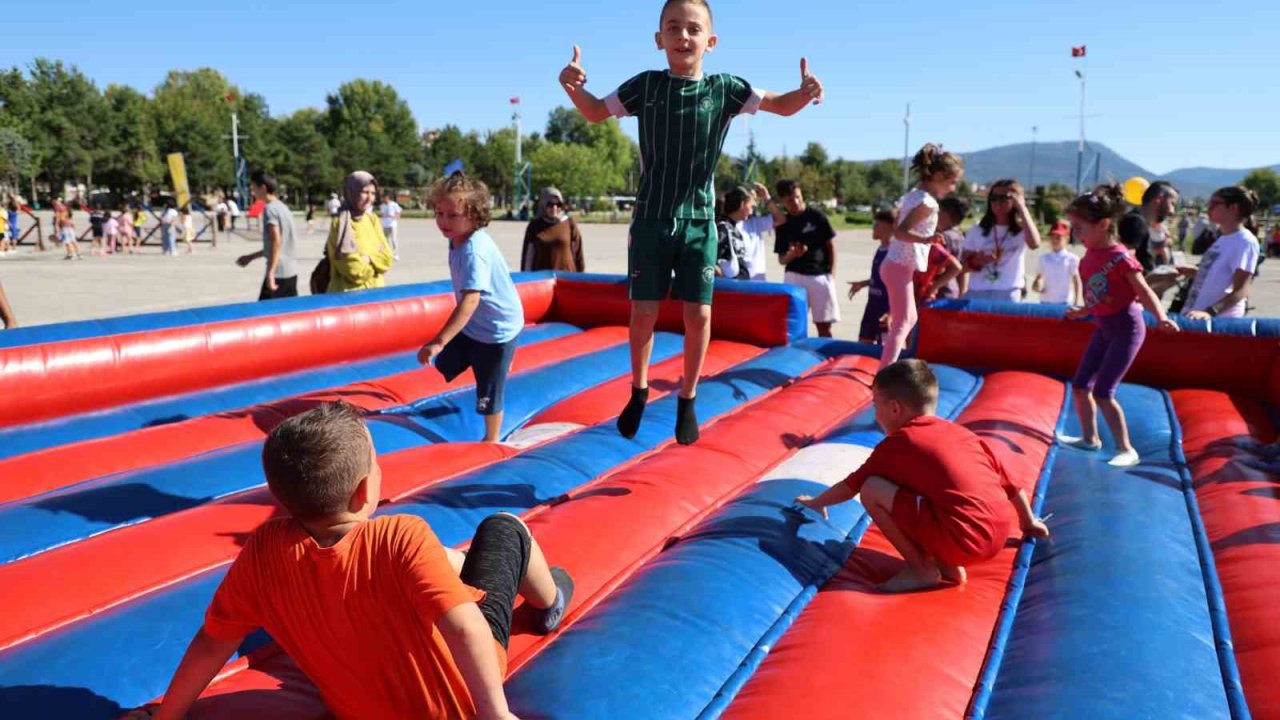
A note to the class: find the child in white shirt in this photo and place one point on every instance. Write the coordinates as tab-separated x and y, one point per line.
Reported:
1058	280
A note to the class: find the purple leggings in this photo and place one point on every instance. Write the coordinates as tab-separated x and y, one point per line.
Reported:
1116	342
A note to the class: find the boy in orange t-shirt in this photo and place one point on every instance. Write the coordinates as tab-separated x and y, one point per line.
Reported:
385	621
934	488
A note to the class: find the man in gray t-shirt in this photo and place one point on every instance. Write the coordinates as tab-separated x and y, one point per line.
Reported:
281	278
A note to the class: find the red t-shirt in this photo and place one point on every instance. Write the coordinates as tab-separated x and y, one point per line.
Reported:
955	471
358	617
939	257
1106	277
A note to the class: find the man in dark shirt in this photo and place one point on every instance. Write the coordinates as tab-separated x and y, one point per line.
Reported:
805	245
1143	231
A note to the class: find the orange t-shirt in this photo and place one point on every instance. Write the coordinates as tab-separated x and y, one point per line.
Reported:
358	617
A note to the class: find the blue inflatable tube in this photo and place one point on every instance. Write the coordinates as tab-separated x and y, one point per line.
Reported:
1105	629
22	439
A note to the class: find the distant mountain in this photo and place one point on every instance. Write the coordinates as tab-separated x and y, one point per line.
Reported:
1056	162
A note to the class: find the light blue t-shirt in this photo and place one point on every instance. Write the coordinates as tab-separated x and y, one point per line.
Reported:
477	264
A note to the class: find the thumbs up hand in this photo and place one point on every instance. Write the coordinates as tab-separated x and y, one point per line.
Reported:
810	85
573	77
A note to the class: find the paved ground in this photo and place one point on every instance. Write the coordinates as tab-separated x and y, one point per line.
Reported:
43	288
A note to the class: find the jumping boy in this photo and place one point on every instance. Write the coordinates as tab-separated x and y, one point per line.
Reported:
933	488
385	621
684	117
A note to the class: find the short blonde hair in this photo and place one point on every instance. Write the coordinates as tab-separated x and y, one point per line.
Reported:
473	193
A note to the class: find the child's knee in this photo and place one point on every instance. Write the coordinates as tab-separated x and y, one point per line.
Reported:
644	311
878	491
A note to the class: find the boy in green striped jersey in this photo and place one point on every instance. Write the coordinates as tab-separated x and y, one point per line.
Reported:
684	118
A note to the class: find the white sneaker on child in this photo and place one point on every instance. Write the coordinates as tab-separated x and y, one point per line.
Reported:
1128	458
1078	443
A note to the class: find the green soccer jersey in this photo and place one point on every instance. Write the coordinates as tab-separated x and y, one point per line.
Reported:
683	124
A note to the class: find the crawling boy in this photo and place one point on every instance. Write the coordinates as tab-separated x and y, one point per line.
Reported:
934	488
383	619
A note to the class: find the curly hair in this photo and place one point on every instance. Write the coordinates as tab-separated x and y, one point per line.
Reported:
473	194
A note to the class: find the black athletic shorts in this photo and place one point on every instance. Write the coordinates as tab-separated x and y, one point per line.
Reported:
490	363
496	563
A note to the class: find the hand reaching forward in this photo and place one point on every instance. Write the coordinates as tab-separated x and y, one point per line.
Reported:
573	77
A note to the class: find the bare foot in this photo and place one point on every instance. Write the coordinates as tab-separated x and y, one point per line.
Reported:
952	574
910	579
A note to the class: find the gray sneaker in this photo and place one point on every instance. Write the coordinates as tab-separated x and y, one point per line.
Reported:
552	616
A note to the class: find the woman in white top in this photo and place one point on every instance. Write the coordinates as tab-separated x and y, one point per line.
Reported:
995	250
1222	282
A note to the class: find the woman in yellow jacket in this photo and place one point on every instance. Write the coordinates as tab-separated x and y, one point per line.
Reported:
359	254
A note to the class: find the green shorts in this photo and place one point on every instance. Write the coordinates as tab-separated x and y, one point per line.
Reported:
660	251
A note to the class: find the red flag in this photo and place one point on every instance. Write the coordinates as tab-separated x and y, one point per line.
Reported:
515	101
1077	51
231	97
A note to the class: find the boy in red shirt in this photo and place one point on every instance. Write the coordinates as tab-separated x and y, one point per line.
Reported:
935	489
385	621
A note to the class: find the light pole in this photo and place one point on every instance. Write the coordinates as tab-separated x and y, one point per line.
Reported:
1031	176
906	151
1080	150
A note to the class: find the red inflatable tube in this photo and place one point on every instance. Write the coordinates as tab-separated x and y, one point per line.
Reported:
756	318
38	382
583	534
916	655
1054	347
45	470
53	588
1238	505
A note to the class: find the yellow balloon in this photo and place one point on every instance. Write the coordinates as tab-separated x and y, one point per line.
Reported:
1134	187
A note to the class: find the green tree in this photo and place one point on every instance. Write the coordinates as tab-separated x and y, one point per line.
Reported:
16	156
566	125
127	159
574	169
192	113
306	165
64	112
1266	183
370	127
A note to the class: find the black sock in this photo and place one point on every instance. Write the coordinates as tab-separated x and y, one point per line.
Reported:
629	420
686	422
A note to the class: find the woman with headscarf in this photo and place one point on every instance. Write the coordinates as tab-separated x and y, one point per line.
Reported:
358	252
552	240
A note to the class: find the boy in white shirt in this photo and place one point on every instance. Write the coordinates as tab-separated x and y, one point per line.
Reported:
390	212
1058	280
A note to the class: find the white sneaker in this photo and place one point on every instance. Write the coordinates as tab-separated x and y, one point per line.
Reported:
1125	459
1078	443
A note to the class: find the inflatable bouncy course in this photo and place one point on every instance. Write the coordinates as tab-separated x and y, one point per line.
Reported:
130	476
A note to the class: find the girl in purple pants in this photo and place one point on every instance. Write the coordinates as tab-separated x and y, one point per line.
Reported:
1113	288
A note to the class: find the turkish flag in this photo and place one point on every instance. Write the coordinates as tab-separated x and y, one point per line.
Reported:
1077	51
515	101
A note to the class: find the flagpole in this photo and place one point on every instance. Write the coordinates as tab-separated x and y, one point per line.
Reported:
906	151
1084	79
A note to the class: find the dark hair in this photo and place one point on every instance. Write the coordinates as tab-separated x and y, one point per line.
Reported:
701	3
988	220
910	382
956	207
1105	202
884	216
732	201
1157	188
314	460
474	194
260	177
784	187
932	160
1246	202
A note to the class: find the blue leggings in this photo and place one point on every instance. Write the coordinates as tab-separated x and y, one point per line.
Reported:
1115	343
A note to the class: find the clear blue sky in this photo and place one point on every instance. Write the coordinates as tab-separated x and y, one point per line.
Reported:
1176	84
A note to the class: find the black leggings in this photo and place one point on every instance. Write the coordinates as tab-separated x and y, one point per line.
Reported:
496	563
